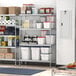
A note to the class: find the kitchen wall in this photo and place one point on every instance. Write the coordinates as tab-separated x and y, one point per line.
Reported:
20	2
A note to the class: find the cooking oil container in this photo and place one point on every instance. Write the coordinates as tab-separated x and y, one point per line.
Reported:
4	43
10	41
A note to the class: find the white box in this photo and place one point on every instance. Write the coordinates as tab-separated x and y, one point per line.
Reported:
41	40
45	57
35	51
46	24
45	50
25	52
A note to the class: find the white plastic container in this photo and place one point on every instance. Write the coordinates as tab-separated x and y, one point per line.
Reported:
52	39
38	25
45	50
46	24
41	40
35	52
48	39
45	57
25	53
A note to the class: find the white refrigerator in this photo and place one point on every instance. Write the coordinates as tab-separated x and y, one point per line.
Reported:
65	41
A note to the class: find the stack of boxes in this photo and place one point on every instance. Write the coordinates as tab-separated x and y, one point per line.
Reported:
5	53
10	10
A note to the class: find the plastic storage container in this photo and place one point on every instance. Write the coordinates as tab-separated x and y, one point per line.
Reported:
45	50
46	24
45	57
41	40
25	52
35	51
38	25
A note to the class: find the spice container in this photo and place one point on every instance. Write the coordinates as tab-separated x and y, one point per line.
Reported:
46	24
41	40
28	9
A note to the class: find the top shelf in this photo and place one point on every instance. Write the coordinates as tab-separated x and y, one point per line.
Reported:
27	15
8	15
37	14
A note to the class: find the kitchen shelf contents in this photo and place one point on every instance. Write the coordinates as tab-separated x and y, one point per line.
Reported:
37	35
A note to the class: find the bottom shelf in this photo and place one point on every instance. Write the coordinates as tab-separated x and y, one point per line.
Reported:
35	61
7	59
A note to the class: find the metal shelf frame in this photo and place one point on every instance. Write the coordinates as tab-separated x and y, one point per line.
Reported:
32	29
12	47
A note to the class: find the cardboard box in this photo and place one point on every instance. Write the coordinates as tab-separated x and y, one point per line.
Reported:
3	10
14	10
5	50
2	55
9	55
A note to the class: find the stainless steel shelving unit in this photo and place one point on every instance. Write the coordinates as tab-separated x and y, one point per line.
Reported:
14	48
36	45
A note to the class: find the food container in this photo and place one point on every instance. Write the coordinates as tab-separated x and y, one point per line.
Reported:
38	25
41	40
2	55
26	24
49	10
42	10
45	57
52	39
5	50
2	28
23	8
4	43
25	53
45	50
34	10
46	24
35	53
9	41
29	8
9	55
